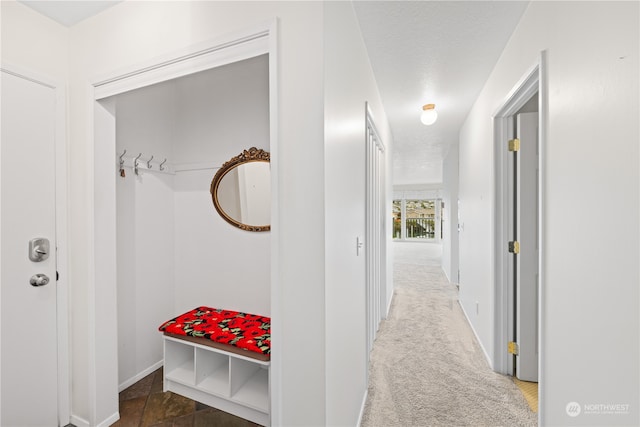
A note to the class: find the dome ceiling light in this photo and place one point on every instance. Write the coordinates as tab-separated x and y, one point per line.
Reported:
429	114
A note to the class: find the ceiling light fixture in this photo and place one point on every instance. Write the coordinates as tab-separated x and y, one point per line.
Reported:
429	114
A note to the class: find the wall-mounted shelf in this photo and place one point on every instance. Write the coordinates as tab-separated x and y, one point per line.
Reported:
230	382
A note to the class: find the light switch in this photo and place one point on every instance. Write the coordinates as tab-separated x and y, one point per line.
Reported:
359	245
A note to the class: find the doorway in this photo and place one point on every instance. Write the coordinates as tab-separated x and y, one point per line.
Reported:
518	246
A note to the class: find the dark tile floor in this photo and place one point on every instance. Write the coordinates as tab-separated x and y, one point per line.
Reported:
144	404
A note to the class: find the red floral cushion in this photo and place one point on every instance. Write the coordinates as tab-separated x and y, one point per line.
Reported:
247	331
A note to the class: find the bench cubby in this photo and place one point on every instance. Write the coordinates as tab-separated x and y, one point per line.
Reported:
228	381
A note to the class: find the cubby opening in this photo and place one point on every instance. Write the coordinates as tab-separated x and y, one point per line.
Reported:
212	372
250	384
234	383
179	363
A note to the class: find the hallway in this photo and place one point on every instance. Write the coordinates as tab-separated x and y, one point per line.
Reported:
427	368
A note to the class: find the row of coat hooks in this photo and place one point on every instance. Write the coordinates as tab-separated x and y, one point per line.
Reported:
137	163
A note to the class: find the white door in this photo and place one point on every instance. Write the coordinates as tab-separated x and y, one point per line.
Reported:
28	320
526	262
375	231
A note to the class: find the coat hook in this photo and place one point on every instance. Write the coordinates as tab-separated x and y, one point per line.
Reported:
136	163
122	172
149	162
163	162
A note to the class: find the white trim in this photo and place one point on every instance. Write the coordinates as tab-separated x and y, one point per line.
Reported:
475	333
275	373
362	406
543	112
32	76
79	422
91	269
393	294
521	92
198	57
131	381
258	40
110	420
61	214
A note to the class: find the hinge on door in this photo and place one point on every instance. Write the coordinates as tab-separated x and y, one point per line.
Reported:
514	144
512	347
514	247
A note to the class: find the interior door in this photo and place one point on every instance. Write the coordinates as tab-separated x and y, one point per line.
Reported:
28	303
526	233
375	232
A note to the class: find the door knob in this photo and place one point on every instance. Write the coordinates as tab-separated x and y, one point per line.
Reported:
39	280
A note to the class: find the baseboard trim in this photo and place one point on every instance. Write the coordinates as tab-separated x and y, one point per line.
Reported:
79	422
389	305
364	402
484	350
131	381
447	276
112	419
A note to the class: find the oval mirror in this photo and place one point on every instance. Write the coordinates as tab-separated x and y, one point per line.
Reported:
241	190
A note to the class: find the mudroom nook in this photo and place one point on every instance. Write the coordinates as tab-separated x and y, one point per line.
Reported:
175	249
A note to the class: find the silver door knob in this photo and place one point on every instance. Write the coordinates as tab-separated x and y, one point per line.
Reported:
39	280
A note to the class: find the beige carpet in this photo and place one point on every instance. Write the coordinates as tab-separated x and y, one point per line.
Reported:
426	366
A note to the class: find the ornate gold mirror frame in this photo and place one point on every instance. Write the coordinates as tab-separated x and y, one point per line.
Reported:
251	155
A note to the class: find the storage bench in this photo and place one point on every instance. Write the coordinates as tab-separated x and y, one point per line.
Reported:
220	358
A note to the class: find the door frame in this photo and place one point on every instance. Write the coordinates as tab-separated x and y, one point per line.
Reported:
533	81
254	41
62	293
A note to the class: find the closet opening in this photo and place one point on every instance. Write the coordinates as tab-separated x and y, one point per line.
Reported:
174	251
161	131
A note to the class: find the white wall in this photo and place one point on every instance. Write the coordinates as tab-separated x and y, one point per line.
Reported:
174	251
145	222
590	302
220	113
349	83
133	32
450	217
418	172
23	31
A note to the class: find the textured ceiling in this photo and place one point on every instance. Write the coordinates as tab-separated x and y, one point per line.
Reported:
438	52
421	52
